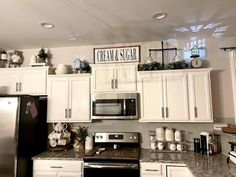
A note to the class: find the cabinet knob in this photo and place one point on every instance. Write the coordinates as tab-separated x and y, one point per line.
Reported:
195	111
112	83
66	113
17	86
167	112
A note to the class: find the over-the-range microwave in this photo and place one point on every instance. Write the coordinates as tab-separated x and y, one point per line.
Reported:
114	106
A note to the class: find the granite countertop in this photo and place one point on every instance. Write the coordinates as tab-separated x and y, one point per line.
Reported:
199	165
69	154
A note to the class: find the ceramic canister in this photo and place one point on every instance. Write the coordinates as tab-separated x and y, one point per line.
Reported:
160	134
178	135
169	134
89	143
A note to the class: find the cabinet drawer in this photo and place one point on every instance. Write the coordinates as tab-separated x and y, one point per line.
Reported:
150	168
58	165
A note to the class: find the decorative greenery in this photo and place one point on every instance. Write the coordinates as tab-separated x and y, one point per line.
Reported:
43	54
85	66
149	66
177	65
81	133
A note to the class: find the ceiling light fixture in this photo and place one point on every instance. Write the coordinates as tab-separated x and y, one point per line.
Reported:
47	25
159	15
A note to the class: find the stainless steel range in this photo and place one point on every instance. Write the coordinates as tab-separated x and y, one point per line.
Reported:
115	154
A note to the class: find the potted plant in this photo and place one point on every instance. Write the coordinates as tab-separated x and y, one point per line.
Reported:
81	134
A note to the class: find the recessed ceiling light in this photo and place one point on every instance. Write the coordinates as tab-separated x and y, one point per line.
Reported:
47	25
159	16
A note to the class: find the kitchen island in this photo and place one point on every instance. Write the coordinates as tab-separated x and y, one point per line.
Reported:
199	165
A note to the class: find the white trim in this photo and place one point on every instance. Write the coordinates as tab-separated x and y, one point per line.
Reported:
232	55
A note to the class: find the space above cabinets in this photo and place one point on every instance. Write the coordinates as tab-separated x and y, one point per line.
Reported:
27	80
69	98
175	95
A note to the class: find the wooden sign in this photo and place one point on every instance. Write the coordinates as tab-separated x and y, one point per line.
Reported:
117	54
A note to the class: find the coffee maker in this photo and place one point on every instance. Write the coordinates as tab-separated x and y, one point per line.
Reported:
210	143
204	140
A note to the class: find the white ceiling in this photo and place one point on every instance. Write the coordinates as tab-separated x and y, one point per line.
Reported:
111	21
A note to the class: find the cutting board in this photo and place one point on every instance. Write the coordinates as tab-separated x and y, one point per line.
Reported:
230	129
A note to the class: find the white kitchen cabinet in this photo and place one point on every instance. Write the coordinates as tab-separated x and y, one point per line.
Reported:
150	169
69	98
156	169
175	95
110	77
163	96
200	103
177	170
57	168
30	80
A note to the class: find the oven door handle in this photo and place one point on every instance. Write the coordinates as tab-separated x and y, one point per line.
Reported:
111	165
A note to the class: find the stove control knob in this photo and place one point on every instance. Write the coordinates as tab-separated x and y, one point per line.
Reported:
131	137
101	137
135	137
97	137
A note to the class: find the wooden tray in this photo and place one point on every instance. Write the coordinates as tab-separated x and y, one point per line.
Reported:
229	129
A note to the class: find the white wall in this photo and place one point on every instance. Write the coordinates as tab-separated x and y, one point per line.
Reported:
216	59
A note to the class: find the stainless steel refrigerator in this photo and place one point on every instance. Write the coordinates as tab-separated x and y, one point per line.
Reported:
23	133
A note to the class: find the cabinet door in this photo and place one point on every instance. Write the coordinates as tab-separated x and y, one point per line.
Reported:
177	171
200	97
125	78
103	78
176	97
57	99
151	94
79	103
33	81
44	174
9	80
69	174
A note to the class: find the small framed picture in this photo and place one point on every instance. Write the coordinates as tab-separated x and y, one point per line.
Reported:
125	54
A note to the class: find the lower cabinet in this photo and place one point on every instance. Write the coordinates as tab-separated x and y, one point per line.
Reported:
155	169
177	170
57	168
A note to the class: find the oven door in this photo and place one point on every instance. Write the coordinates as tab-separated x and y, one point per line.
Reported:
111	169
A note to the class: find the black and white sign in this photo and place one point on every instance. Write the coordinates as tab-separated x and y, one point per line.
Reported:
117	54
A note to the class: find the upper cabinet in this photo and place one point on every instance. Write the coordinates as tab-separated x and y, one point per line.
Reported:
200	105
69	98
110	77
163	96
23	80
175	96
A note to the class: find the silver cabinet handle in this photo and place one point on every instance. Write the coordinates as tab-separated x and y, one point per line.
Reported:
56	167
167	112
20	86
195	111
69	113
151	170
17	86
112	83
66	113
116	83
162	112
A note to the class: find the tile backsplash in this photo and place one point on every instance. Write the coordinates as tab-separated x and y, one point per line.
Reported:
191	130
